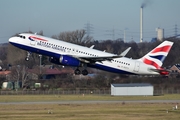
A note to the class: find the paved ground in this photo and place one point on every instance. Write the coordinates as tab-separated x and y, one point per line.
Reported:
93	102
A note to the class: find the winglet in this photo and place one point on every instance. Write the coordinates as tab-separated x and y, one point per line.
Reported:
125	52
92	47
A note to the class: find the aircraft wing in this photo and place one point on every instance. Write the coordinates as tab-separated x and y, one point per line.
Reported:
95	59
90	59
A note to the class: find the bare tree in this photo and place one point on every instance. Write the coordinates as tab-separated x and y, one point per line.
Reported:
19	73
3	55
77	37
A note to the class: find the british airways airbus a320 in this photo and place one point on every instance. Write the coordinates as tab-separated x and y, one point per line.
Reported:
68	54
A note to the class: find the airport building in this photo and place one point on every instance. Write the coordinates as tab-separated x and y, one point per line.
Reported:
160	34
132	89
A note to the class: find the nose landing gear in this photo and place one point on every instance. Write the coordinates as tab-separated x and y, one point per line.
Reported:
28	56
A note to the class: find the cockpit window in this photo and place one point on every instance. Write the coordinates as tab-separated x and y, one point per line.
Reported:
21	36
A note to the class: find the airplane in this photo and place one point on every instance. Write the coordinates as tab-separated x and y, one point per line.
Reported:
68	54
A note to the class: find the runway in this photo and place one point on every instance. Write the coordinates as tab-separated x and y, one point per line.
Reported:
93	102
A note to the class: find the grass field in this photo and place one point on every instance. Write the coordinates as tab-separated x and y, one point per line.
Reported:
30	98
114	111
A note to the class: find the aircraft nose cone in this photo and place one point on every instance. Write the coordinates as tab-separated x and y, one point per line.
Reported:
12	39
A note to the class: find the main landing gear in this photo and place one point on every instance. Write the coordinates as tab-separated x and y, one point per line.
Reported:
78	72
84	72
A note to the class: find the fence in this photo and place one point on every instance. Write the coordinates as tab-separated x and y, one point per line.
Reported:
166	91
77	91
56	92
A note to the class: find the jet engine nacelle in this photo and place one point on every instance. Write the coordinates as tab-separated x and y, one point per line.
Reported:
65	60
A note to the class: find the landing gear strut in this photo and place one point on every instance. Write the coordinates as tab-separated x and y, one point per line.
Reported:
85	72
28	56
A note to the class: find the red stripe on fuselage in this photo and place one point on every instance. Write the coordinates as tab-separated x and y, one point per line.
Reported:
37	38
162	49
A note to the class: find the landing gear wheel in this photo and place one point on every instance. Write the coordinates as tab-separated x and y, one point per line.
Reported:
77	72
85	72
27	59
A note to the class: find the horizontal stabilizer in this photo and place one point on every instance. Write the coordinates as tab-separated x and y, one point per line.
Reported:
161	71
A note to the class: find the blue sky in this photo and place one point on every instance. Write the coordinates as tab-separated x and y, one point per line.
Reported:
104	16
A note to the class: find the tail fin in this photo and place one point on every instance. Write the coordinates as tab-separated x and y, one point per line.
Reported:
157	56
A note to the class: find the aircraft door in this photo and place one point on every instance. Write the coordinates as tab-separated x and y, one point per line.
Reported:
137	66
33	42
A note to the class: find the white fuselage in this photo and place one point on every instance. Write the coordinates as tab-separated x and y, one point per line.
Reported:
55	48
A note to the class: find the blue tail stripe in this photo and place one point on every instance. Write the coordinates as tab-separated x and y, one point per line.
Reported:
159	57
